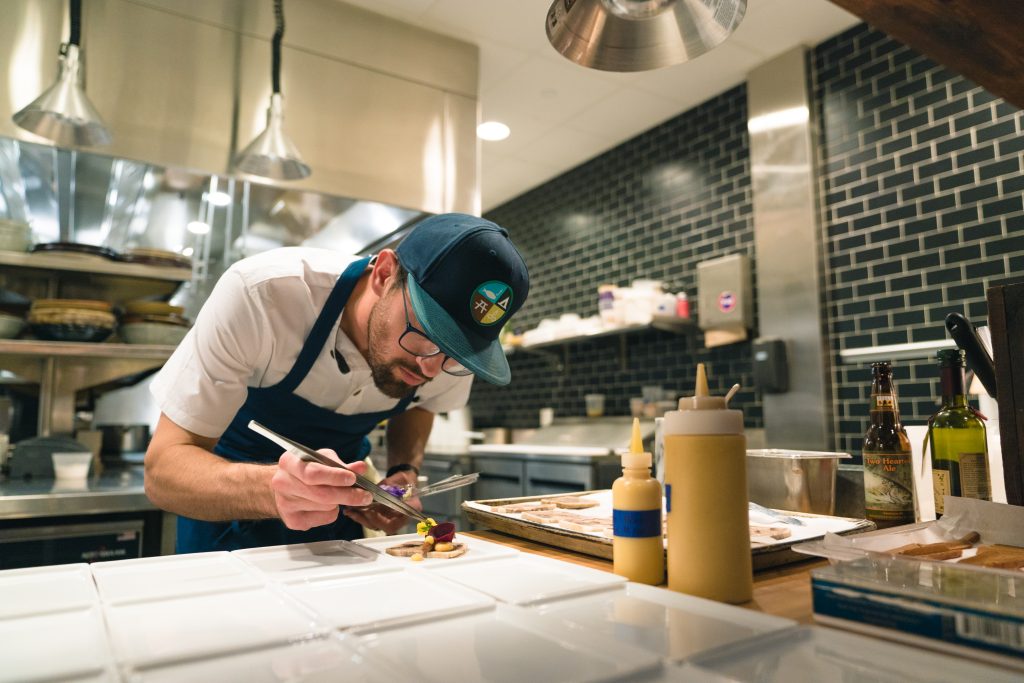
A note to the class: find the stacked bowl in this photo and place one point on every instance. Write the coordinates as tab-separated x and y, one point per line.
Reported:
71	320
153	322
14	235
10	325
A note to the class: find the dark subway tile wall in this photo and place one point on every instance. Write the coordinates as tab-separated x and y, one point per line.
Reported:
923	209
922	194
653	207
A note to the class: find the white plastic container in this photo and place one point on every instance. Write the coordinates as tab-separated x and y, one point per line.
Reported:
71	466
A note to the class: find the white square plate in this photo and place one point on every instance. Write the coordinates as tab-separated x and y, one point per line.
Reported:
503	645
38	590
823	655
155	578
379	599
476	549
149	633
523	579
314	560
55	646
316	661
668	624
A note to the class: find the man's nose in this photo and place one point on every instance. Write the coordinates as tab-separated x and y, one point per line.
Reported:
430	366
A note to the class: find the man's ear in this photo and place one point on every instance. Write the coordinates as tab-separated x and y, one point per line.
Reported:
384	270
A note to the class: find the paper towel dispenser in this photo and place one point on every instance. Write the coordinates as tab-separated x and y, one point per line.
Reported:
725	297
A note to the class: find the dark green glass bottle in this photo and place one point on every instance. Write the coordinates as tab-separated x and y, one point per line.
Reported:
888	471
956	439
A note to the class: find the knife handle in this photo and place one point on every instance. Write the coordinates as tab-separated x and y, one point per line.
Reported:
978	360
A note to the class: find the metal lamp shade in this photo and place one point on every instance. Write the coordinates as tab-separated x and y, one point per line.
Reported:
63	113
637	35
272	154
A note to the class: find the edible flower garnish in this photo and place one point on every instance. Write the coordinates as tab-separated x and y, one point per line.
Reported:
396	491
426	525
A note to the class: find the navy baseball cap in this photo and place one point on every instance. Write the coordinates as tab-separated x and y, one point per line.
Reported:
466	279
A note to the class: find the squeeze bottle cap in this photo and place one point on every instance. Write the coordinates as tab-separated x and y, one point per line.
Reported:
636	457
701	399
702	413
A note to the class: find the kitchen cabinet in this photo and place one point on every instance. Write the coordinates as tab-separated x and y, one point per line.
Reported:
61	369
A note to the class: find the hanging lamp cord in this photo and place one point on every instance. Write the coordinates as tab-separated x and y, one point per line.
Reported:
276	51
75	12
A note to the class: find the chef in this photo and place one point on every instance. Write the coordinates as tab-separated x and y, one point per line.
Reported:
321	348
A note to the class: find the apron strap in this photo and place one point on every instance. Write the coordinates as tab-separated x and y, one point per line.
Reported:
324	325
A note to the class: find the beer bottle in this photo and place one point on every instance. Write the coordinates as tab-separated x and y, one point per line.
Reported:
956	438
888	472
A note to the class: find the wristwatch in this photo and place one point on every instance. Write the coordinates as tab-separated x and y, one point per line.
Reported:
401	467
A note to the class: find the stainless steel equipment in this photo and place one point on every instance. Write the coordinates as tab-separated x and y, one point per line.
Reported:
569	455
801	481
447	506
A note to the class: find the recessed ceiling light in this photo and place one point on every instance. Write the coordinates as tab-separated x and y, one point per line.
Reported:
198	228
492	130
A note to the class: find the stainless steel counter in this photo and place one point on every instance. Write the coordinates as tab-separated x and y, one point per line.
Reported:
117	490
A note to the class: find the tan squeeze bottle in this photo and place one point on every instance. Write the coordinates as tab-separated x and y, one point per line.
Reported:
706	498
638	551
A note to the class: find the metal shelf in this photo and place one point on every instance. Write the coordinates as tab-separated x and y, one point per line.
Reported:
95	265
61	369
680	326
664	323
45	349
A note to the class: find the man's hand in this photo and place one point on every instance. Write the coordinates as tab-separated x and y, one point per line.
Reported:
307	494
383	518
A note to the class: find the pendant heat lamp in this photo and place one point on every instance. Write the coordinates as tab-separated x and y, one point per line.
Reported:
272	154
637	35
63	113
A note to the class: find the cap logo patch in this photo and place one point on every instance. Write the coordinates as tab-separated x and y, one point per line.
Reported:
490	302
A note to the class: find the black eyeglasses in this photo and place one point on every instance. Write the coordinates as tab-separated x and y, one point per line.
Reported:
418	344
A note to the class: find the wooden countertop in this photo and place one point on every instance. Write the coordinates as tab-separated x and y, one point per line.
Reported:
783	591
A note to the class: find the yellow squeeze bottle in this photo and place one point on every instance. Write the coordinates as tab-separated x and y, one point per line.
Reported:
706	498
638	551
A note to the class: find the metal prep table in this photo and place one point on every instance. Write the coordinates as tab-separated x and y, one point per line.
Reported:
569	455
109	517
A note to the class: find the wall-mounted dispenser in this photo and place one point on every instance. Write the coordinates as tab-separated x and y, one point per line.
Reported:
726	299
771	366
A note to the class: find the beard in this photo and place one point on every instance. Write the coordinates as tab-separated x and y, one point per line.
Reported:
381	369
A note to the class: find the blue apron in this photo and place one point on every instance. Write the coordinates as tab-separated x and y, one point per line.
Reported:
279	408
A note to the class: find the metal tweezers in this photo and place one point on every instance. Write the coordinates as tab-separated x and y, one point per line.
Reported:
378	494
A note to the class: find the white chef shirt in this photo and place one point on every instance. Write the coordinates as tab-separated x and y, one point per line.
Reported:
249	334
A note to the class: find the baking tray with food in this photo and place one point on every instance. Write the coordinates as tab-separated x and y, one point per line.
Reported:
581	522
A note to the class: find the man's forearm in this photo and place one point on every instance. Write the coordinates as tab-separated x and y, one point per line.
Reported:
189	480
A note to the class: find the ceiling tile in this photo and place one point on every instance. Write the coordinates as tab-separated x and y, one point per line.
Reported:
503	179
564	147
551	89
516	23
626	112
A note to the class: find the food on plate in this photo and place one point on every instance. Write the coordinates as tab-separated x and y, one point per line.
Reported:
438	543
575	502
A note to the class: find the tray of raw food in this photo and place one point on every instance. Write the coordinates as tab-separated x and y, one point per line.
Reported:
956	583
582	522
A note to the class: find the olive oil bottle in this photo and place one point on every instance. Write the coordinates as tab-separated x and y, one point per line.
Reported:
888	471
956	438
